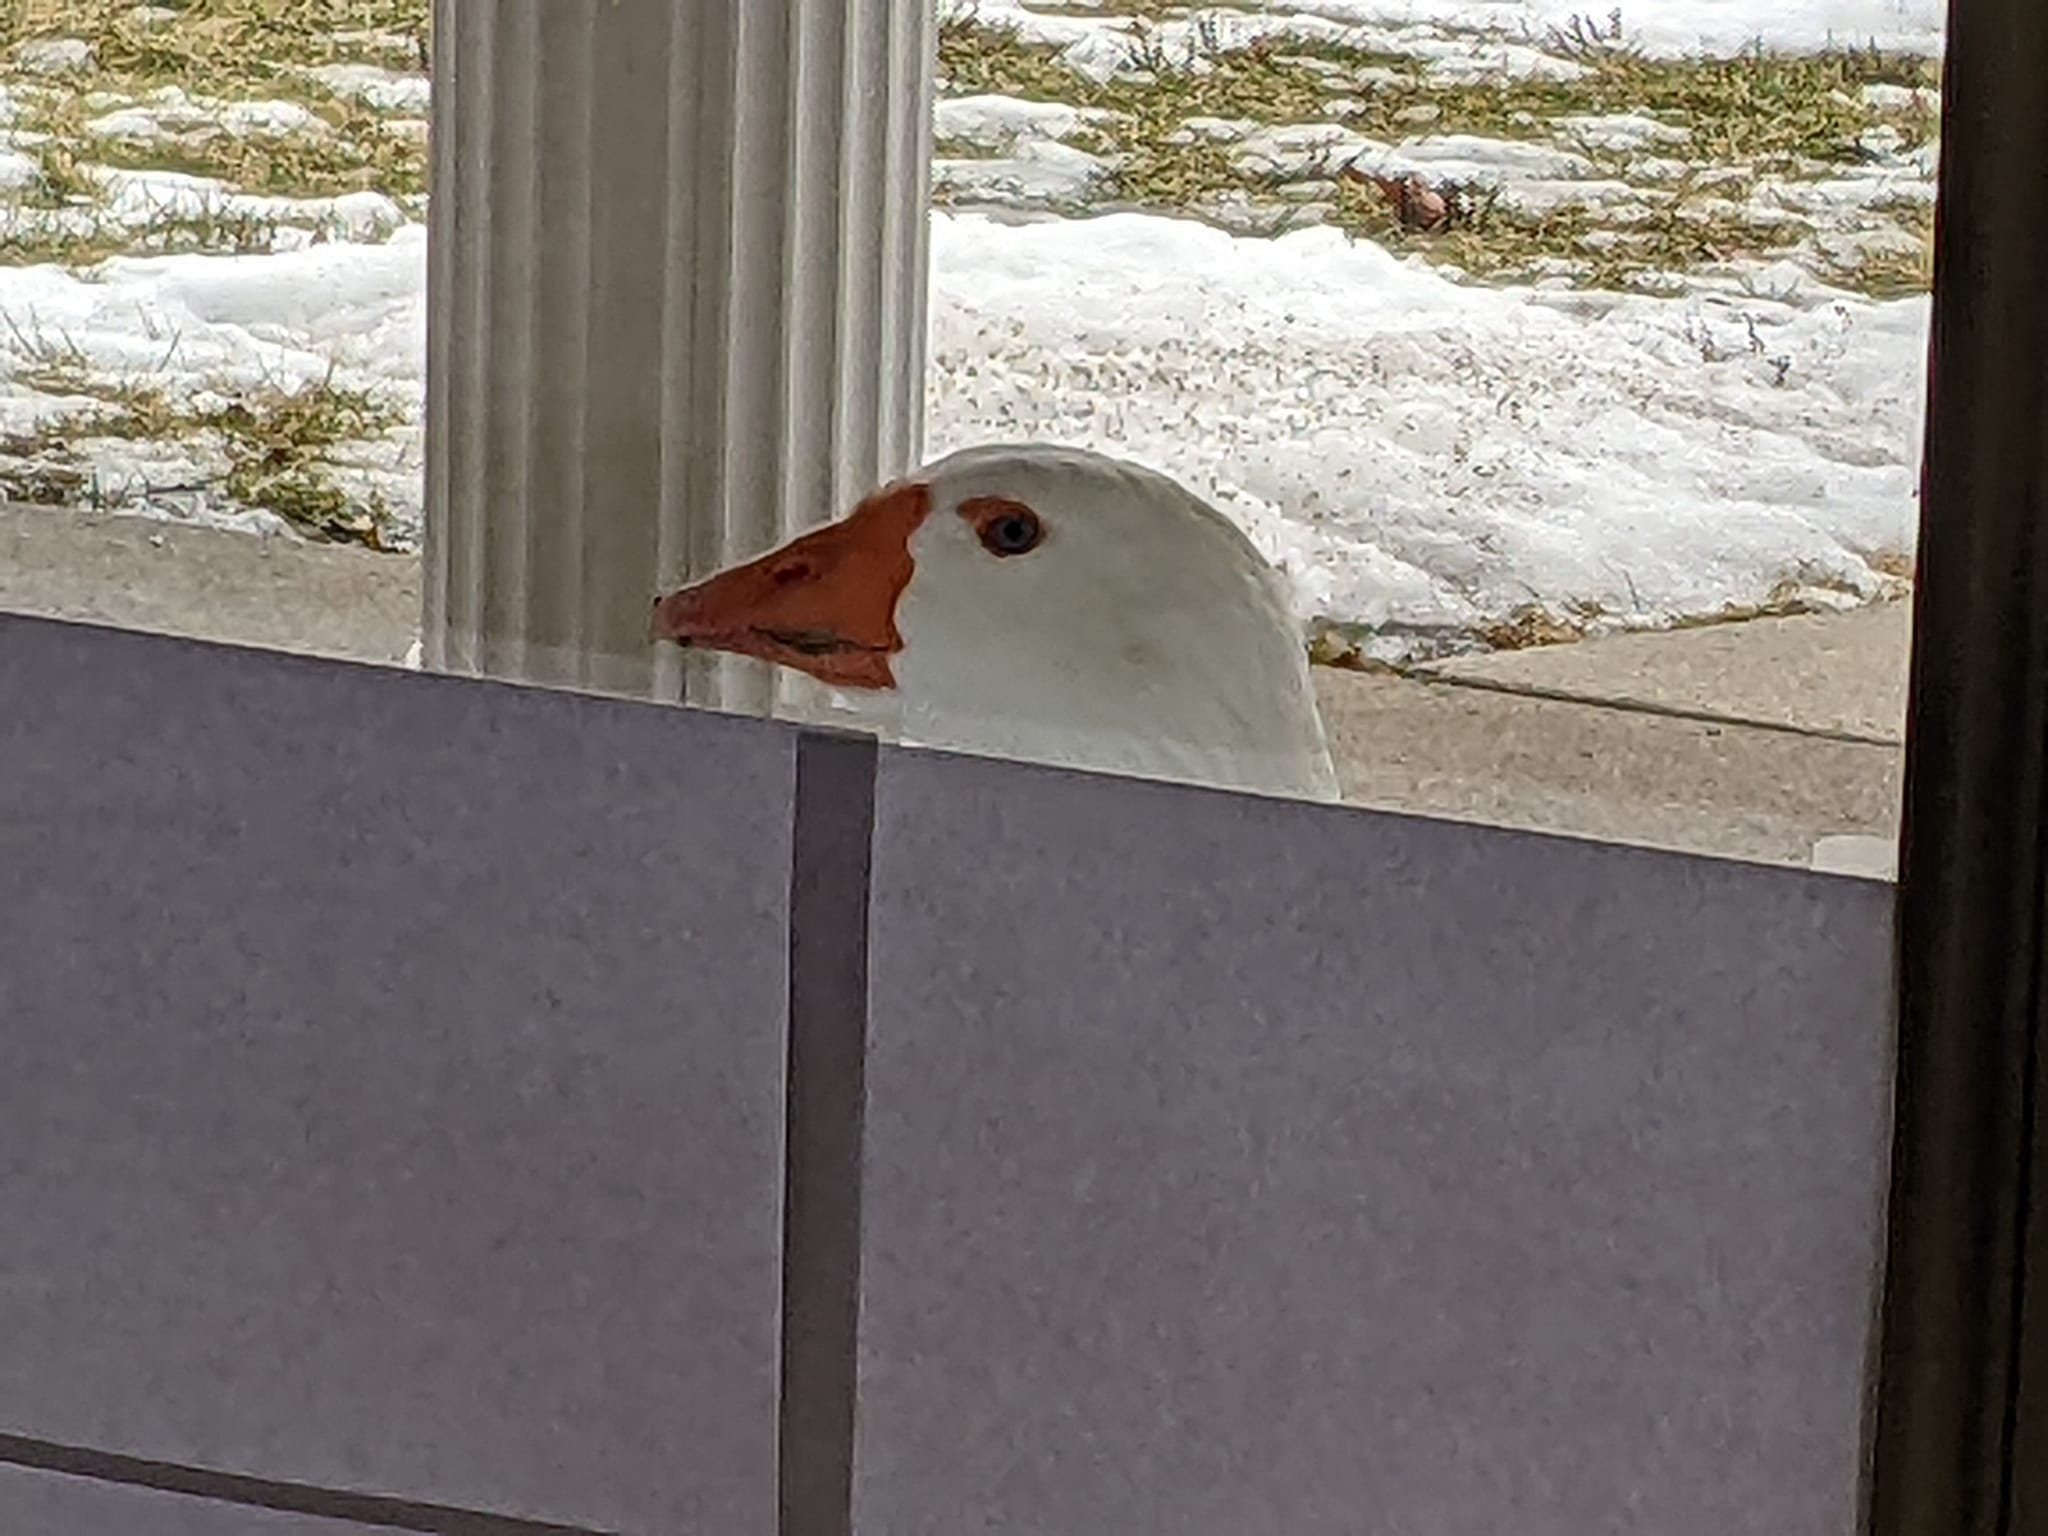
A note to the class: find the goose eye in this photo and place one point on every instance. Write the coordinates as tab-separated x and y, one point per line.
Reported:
1007	528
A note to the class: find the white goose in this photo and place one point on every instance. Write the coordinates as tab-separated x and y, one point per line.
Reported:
1043	603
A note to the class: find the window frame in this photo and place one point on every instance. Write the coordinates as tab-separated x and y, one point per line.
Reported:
1960	1421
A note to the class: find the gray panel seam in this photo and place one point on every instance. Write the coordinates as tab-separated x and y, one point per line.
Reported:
1729	719
366	1509
830	871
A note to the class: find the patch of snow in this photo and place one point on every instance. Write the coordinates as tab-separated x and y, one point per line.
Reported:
167	481
994	122
269	119
1621	131
1468	157
178	112
372	38
1035	27
1539	196
1420	456
1212	30
196	325
1037	173
1100	53
1420	115
1833	195
1378	75
56	56
380	89
1101	47
1302	149
125	123
171	112
1899	98
143	198
1660	168
1212	130
1242	213
1460	62
1671	27
1469	39
1849	249
245	319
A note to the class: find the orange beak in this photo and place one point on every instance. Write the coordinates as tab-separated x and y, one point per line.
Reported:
824	604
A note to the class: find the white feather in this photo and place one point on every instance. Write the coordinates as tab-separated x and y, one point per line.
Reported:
1145	635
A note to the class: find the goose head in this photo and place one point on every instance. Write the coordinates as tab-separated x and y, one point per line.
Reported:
1052	604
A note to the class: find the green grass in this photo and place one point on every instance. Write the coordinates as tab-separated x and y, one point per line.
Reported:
277	443
226	47
85	242
1906	270
1773	111
1760	113
1745	118
362	154
273	445
1756	114
1649	246
60	180
236	50
269	448
1769	111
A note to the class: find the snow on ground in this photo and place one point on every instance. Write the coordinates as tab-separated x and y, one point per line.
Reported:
1424	458
1432	460
375	86
1483	29
1672	27
203	331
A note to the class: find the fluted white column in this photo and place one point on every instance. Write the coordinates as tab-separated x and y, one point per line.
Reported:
677	311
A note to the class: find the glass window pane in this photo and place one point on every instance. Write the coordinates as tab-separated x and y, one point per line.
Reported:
1502	412
1467	407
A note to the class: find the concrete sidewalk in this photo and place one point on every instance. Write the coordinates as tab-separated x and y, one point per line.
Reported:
1754	740
1840	675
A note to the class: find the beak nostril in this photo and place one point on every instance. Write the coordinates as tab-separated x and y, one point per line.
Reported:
789	575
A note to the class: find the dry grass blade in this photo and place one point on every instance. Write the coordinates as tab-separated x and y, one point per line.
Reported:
1754	115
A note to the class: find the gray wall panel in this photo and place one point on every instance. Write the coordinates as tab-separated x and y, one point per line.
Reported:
394	1080
394	1102
1237	1166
